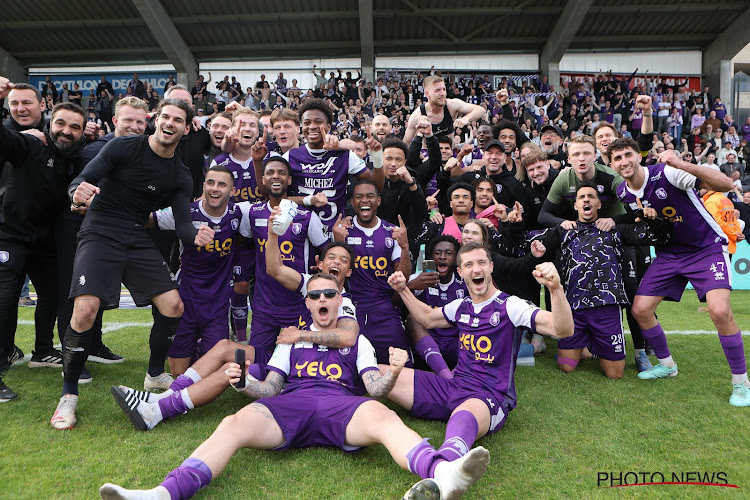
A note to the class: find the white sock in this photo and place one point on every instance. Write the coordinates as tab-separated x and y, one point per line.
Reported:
740	379
668	361
186	399
192	375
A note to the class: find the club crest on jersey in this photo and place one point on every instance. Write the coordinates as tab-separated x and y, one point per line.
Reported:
4	256
661	193
238	270
389	242
51	162
296	228
345	350
459	294
495	319
600	188
235	224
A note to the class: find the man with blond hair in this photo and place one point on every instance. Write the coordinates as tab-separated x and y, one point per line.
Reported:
446	115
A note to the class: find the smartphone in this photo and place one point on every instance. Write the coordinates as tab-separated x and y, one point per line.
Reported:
239	358
429	266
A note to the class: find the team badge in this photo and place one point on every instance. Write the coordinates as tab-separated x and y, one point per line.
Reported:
345	351
237	269
389	242
459	294
296	228
4	256
661	193
600	188
235	224
495	319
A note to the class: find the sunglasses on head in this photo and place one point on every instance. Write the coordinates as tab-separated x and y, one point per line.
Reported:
329	293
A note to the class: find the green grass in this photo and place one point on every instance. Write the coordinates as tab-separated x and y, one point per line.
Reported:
565	430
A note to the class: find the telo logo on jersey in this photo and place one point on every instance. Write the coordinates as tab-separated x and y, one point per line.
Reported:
318	168
661	193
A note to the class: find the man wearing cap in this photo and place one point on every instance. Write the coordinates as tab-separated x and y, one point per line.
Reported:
551	138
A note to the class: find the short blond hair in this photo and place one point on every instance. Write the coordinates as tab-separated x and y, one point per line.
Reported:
430	81
284	115
583	139
245	111
131	101
534	156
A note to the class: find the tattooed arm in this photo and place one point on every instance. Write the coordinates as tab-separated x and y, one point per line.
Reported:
344	335
380	385
256	388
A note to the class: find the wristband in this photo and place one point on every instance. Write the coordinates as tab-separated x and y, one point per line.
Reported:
434	211
645	115
307	200
412	183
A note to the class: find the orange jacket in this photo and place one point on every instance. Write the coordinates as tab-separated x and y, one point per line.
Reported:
723	212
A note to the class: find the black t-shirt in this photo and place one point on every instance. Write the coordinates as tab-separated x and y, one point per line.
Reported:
134	181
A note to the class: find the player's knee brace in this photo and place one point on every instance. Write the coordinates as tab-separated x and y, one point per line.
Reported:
75	350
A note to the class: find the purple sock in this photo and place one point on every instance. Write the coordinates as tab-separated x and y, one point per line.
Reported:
239	315
735	352
173	405
422	459
657	340
187	479
181	382
460	434
430	352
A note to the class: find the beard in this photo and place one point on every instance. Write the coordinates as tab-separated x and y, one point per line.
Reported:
63	146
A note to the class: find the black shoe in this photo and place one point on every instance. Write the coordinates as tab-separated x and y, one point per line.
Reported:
6	393
6	362
51	359
102	354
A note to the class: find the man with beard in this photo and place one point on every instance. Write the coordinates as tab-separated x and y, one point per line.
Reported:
136	176
551	138
275	307
380	248
442	112
217	129
32	191
242	139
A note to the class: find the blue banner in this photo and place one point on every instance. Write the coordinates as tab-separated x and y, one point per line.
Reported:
741	267
88	83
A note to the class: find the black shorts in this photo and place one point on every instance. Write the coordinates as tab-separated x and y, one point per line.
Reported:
105	259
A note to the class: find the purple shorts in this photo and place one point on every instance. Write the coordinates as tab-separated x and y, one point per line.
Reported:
244	263
383	328
208	321
265	328
313	420
436	398
668	275
599	329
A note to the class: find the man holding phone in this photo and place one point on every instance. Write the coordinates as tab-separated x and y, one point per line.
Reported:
320	406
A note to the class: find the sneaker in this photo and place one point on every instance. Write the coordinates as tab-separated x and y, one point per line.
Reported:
51	359
539	344
426	489
84	378
111	491
26	302
658	371
158	383
454	478
15	356
65	414
102	354
6	393
642	362
130	405
148	397
740	395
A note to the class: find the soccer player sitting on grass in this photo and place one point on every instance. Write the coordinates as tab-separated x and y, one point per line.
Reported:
318	407
482	392
696	252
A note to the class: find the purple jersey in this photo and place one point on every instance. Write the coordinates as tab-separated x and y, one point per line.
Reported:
439	296
322	369
321	171
672	193
489	338
376	253
270	297
245	186
206	272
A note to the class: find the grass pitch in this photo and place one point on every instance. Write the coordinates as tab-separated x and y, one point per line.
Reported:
566	433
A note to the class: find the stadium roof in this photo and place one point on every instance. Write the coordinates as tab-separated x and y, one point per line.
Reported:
83	32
